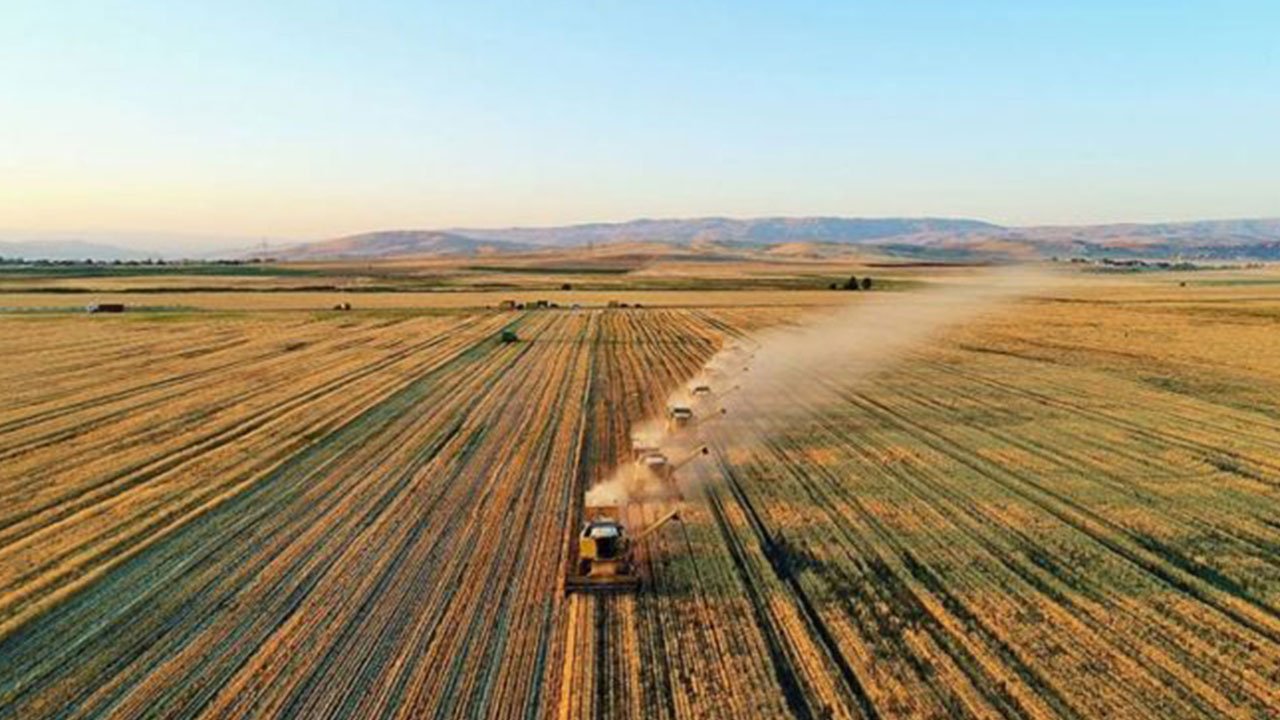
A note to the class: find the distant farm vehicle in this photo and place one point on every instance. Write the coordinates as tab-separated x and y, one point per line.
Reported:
605	561
679	418
342	306
656	466
641	448
94	308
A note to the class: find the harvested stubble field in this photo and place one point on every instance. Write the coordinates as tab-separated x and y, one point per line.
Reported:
225	301
1067	509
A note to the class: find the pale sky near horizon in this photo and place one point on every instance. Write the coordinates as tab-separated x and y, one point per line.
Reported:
292	119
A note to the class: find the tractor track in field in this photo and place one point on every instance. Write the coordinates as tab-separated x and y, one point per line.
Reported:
979	532
1118	481
770	549
1160	434
1082	519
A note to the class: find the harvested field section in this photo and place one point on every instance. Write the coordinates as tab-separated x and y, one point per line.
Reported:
732	296
136	449
306	517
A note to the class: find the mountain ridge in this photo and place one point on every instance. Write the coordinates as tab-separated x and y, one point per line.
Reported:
762	230
924	237
397	243
1256	238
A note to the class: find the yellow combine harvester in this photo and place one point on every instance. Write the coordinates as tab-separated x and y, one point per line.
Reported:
656	469
604	563
679	418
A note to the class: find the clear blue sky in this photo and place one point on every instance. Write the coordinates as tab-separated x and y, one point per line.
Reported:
313	119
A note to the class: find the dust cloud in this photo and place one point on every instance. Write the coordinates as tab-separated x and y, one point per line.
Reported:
758	386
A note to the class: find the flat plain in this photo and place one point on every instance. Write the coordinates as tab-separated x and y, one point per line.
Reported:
1068	506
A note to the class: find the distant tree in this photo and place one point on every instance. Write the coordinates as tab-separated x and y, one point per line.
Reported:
851	283
834	286
866	283
566	286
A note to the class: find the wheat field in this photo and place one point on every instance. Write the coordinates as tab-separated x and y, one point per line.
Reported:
1069	507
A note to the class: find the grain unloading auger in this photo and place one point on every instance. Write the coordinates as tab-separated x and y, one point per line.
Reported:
604	562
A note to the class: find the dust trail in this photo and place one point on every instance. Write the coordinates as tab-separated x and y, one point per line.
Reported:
763	385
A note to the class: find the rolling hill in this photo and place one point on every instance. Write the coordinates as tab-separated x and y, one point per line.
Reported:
758	231
398	243
938	238
69	250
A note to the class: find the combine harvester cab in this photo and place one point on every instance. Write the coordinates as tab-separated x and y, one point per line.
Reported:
679	418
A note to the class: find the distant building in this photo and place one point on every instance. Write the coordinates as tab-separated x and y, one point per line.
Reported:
104	308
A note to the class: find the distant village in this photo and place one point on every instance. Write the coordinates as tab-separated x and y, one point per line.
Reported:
1135	265
148	262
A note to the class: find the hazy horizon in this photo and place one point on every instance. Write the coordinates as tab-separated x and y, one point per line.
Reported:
201	243
218	126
